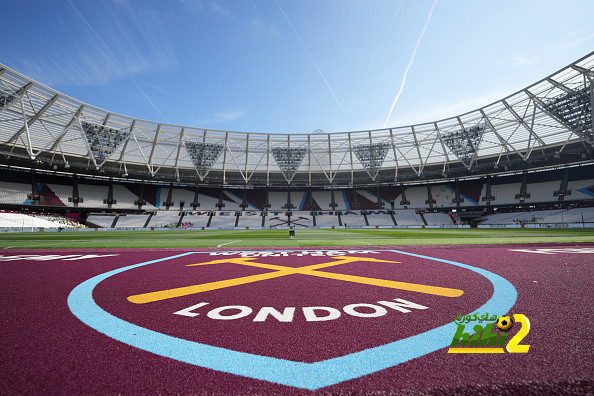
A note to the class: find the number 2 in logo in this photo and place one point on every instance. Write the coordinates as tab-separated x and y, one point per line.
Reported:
513	344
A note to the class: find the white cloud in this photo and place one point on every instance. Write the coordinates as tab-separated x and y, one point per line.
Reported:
229	115
193	5
134	44
216	7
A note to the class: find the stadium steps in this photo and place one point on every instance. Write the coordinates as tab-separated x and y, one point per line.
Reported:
181	219
115	220
393	219
148	220
423	218
365	218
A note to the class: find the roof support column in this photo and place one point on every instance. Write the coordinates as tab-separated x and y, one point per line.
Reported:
225	158
179	144
395	157
352	165
268	160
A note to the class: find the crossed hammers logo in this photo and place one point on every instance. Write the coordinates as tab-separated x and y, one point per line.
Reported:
280	271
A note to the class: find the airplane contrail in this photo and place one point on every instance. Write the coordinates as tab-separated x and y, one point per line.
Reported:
386	33
116	67
310	57
147	98
412	58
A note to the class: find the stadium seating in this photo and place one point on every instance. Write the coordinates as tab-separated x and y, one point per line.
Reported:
64	193
326	219
368	200
164	218
352	218
437	219
92	195
379	218
505	193
443	195
520	217
580	189
103	220
277	200
131	220
124	198
324	198
186	196
276	220
14	193
408	217
542	192
416	196
197	219
223	219
301	219
250	218
22	220
298	199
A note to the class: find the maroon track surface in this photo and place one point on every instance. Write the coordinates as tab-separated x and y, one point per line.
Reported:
46	349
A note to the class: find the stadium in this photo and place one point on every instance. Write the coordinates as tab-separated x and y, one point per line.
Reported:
523	160
340	262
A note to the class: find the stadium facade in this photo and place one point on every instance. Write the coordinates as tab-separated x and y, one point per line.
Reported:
544	127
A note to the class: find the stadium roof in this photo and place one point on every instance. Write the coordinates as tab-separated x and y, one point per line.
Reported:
547	123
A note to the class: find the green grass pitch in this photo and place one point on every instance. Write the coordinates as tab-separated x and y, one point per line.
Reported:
280	238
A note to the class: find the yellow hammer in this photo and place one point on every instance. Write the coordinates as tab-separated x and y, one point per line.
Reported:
280	271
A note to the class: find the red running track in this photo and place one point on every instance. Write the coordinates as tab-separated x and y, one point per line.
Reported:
46	349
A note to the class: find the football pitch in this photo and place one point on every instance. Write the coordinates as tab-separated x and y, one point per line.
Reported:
280	238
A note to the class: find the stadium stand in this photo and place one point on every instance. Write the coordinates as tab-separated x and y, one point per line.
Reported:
575	215
276	220
277	200
14	193
352	218
580	190
553	216
102	220
164	218
33	220
123	197
185	195
443	195
250	218
324	199
132	220
301	219
223	219
408	217
197	219
370	200
380	218
520	217
505	193
326	219
417	197
436	219
298	199
256	199
63	193
92	195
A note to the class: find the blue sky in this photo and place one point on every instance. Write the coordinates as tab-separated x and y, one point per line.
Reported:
287	66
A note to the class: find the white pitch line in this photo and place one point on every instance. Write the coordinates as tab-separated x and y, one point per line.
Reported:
223	244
